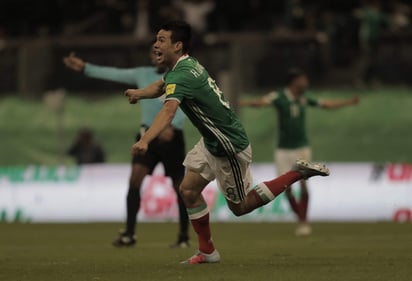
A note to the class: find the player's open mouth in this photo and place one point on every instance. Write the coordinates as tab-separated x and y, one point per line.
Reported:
158	54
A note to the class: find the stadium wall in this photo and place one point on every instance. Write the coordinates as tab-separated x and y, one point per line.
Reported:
253	59
95	193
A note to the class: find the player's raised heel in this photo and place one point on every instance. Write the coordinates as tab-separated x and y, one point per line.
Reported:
310	169
200	257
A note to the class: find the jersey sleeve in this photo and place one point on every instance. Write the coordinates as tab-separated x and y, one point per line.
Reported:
177	86
121	75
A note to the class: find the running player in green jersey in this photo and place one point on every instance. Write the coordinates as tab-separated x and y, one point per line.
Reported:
168	147
223	153
293	143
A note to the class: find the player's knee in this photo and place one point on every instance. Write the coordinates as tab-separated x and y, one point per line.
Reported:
237	210
189	197
237	213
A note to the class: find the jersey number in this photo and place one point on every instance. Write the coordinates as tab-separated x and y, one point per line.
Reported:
218	92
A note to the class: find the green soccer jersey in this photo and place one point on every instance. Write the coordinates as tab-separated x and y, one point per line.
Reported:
203	102
291	118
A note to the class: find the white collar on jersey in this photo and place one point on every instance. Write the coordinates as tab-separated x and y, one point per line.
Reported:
185	56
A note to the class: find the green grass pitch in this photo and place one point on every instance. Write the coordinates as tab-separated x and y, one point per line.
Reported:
269	251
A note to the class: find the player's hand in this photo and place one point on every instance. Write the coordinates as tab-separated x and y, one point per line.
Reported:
132	95
74	63
140	147
167	134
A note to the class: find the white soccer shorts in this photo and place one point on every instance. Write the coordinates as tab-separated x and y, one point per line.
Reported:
232	174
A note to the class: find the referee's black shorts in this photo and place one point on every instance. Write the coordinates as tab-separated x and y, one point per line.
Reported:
170	153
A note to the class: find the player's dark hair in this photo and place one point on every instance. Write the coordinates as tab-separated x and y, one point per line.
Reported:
293	74
181	31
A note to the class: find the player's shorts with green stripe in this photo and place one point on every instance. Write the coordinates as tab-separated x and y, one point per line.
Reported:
232	174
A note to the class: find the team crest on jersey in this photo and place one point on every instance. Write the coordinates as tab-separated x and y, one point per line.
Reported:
170	89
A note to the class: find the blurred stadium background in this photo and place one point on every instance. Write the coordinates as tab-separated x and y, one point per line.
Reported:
348	47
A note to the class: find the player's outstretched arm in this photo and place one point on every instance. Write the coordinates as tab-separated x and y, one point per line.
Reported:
161	122
334	104
266	100
154	90
121	75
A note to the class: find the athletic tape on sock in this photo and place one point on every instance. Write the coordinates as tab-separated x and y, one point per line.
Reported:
197	212
264	193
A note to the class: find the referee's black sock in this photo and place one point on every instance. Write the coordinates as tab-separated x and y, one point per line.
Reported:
183	220
133	206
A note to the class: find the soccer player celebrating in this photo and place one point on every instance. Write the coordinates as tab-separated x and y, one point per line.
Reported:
223	153
168	147
293	144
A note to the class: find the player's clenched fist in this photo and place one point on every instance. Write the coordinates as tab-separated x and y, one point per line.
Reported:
140	147
132	95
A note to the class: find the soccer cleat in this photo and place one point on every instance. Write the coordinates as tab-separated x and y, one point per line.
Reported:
200	257
310	169
124	240
180	244
303	229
